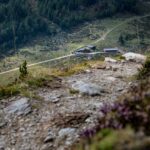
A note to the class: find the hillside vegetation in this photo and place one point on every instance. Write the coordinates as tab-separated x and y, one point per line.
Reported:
21	20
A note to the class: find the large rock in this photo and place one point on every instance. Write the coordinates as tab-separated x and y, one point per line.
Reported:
19	107
135	57
67	136
88	88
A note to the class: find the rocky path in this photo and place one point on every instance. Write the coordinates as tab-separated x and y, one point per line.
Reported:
55	121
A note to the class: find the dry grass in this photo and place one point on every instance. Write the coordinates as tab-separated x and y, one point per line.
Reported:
75	69
39	76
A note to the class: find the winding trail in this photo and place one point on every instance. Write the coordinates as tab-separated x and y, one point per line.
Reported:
70	55
50	60
38	63
124	22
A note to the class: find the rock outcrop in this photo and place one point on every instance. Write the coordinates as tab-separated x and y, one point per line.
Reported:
19	107
135	57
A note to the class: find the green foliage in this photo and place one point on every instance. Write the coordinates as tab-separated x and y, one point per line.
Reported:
27	86
108	140
23	70
119	57
71	12
72	91
39	82
125	139
9	91
145	71
21	20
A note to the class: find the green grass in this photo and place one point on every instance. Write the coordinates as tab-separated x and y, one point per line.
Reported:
125	139
26	87
145	70
9	91
40	76
78	37
72	91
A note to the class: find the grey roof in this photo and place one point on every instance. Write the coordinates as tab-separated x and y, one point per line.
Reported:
86	48
81	49
111	49
91	46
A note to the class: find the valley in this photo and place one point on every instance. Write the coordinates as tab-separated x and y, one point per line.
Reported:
102	33
74	75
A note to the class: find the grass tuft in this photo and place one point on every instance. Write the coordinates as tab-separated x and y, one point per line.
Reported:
9	91
72	91
145	71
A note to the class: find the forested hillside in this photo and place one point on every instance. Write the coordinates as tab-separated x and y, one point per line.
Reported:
21	20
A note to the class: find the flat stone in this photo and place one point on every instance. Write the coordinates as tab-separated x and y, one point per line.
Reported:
67	136
19	107
88	88
66	132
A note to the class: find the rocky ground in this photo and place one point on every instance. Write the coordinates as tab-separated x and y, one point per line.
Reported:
55	121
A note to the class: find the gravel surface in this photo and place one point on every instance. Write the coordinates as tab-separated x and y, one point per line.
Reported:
55	122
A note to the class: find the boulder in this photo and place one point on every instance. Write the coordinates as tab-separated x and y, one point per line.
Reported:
135	57
19	107
67	136
87	88
110	60
66	132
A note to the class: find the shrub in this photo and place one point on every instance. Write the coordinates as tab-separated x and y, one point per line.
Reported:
9	91
39	82
27	85
133	110
23	70
125	139
72	91
145	71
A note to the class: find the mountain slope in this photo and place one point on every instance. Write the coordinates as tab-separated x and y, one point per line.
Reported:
21	20
49	103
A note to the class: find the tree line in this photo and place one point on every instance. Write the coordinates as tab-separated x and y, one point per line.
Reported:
21	20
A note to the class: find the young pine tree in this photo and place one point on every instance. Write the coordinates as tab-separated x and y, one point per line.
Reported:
23	70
